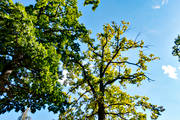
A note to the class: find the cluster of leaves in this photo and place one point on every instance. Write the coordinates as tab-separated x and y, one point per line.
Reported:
95	3
176	48
32	39
97	81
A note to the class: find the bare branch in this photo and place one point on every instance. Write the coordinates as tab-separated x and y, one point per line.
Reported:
77	85
94	50
137	36
131	77
117	114
127	63
92	115
76	101
86	78
119	104
102	62
111	60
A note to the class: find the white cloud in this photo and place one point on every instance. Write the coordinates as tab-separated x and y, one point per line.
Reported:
170	71
163	2
156	7
159	4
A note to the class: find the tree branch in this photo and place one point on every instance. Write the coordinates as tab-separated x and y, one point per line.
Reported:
119	104
76	101
92	115
94	50
86	78
117	51
131	77
117	114
127	63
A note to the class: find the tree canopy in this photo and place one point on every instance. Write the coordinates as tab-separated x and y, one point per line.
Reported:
32	40
36	39
176	47
98	80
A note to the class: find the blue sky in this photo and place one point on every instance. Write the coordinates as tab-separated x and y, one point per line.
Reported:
158	22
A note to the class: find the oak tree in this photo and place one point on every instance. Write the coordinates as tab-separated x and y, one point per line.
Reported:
98	78
32	42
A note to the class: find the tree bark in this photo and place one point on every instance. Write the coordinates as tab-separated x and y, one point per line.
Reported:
8	69
101	108
101	111
5	75
24	114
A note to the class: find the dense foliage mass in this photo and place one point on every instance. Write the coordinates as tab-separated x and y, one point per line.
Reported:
176	48
32	41
99	78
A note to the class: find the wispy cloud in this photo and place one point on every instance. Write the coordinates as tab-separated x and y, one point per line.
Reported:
160	4
156	7
163	2
170	71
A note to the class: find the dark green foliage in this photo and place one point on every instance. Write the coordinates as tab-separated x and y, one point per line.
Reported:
32	40
95	3
176	48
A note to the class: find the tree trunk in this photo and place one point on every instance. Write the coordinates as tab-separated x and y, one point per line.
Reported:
101	108
4	77
101	111
24	114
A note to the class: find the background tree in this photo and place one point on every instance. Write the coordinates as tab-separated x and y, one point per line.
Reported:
99	77
176	48
32	42
24	115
